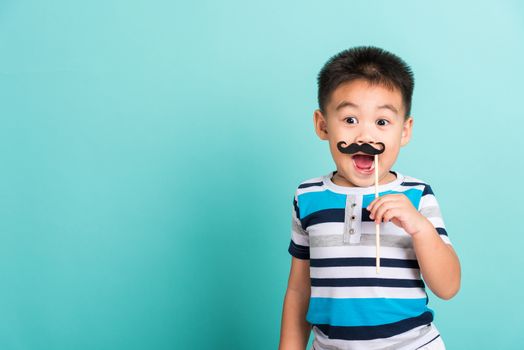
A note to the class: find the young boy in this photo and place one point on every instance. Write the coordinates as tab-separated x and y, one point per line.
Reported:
364	97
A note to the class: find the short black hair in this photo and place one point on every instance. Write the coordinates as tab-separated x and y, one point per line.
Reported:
373	64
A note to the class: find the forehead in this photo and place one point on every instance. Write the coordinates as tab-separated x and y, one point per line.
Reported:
361	94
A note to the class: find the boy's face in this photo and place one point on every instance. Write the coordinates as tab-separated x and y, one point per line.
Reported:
359	112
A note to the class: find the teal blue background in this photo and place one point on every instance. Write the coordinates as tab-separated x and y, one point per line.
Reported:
150	150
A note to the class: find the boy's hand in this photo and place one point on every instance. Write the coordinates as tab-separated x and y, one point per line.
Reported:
398	209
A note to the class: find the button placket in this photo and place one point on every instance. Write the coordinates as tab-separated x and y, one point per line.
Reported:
349	220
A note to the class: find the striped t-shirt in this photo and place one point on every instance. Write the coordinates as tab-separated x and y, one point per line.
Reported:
351	306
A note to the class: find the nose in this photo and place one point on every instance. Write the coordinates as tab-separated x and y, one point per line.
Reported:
364	135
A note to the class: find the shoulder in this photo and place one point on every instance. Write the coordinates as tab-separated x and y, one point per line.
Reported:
311	185
315	181
310	189
410	182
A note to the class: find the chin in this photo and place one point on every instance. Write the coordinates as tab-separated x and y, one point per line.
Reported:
364	183
357	181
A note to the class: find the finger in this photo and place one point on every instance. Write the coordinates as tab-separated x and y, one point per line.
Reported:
372	204
390	214
393	207
376	202
380	210
380	203
385	198
373	208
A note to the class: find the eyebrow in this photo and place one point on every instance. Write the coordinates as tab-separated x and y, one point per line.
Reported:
344	104
390	107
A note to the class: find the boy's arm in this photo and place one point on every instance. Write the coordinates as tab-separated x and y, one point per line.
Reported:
295	330
438	262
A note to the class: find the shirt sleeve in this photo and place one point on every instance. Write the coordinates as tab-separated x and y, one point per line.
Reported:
430	209
299	244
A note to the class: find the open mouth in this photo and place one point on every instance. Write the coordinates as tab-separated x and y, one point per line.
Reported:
364	163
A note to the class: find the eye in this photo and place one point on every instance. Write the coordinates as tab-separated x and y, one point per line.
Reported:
382	122
351	120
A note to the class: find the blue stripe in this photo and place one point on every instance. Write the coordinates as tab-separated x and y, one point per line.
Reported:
298	251
318	217
367	282
375	332
363	311
427	188
311	202
413	195
385	262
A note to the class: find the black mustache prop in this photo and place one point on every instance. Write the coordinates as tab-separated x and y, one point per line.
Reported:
364	148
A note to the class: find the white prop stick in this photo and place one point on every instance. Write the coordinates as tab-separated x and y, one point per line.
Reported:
377	226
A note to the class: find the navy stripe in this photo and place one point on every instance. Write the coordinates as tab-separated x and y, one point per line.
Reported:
295	205
366	282
374	332
427	190
326	215
442	231
385	262
407	183
298	251
311	184
365	215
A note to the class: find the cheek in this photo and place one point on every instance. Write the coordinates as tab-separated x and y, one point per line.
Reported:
336	154
391	153
334	149
393	142
336	134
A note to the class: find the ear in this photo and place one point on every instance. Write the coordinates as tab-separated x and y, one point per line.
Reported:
406	131
320	124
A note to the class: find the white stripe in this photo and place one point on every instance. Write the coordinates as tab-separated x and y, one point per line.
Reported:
388	228
430	211
428	200
437	222
299	239
312	180
408	178
361	251
337	228
364	272
445	239
326	229
367	292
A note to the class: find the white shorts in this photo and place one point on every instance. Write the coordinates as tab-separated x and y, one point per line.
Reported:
436	344
420	338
